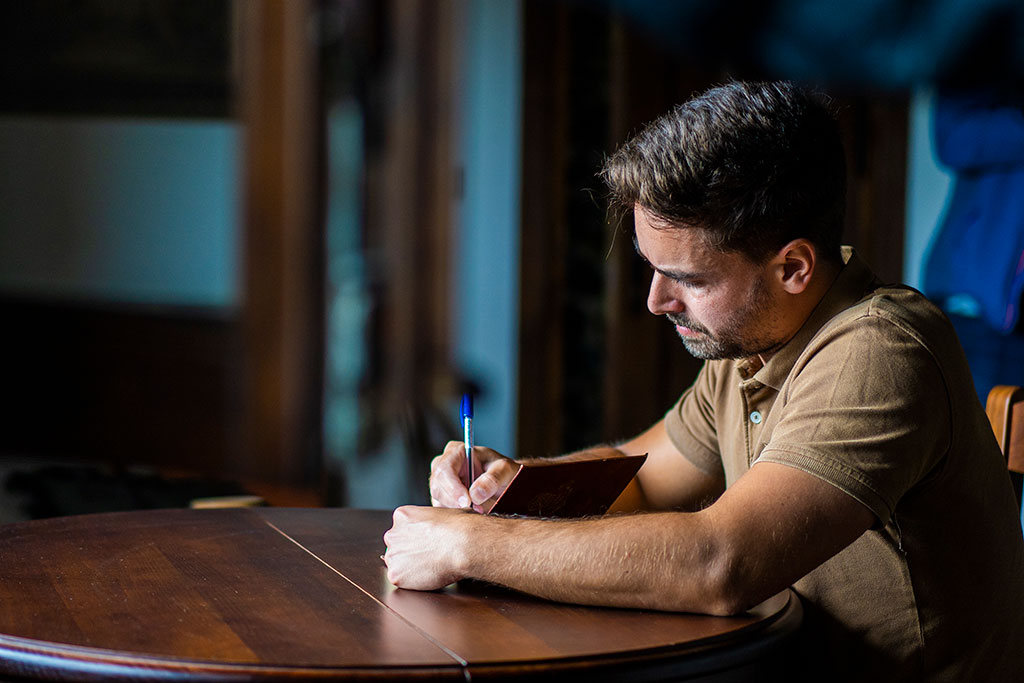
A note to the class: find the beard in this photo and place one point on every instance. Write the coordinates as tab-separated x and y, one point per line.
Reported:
739	336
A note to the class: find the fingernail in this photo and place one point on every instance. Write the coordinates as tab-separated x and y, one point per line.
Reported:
464	502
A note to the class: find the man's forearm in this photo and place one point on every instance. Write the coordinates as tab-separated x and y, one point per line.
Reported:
666	561
774	525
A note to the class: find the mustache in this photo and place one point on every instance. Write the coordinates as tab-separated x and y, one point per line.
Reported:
683	321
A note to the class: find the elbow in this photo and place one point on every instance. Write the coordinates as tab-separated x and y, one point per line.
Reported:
729	603
719	574
731	584
725	599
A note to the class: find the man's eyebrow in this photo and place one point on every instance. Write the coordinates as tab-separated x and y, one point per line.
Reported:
678	275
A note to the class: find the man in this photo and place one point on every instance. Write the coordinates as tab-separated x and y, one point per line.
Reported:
832	440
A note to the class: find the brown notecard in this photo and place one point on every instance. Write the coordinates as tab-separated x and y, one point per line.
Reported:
567	489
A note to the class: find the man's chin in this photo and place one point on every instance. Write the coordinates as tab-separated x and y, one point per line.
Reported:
702	350
703	347
699	350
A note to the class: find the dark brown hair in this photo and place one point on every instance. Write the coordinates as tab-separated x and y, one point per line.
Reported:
752	165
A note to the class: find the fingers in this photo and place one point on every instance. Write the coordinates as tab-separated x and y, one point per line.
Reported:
493	481
447	474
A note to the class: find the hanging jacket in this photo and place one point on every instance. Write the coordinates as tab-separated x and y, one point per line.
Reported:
977	256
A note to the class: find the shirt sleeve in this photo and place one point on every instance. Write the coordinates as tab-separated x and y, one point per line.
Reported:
690	424
867	410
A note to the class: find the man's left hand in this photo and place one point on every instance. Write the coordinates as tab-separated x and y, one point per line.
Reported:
424	548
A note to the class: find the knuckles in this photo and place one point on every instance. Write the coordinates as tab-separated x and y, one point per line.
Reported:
402	514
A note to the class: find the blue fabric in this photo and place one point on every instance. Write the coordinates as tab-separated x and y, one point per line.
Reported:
978	253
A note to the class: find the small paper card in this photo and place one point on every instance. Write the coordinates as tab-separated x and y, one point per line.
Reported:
567	489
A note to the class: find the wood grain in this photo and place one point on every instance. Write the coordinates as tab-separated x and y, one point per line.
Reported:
210	588
294	594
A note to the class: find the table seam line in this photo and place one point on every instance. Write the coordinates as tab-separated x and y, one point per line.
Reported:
462	662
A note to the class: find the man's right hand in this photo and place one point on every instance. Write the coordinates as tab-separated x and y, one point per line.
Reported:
449	475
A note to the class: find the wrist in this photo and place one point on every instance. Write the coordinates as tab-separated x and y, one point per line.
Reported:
461	545
468	544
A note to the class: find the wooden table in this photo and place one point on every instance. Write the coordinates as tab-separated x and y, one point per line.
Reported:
295	594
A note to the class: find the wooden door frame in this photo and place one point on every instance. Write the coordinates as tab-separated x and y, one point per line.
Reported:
282	290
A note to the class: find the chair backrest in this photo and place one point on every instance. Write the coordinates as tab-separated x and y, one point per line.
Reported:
1005	409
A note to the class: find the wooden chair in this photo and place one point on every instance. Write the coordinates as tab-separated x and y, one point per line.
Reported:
1005	409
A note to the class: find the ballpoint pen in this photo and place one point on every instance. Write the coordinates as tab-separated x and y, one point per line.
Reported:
467	432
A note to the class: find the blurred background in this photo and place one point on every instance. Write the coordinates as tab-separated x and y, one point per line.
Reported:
263	246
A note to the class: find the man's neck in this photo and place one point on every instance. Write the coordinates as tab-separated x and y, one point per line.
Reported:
805	303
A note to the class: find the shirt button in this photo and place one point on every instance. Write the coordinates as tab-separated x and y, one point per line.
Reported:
755	417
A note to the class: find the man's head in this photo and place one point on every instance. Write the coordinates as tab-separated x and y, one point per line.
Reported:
738	202
722	304
752	166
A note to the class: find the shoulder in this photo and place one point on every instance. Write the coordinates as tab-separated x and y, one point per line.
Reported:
894	318
904	307
891	348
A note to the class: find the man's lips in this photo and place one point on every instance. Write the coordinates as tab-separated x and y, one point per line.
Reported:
685	328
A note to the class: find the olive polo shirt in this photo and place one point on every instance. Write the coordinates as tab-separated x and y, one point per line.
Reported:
874	396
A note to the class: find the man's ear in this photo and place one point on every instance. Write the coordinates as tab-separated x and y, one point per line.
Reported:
795	264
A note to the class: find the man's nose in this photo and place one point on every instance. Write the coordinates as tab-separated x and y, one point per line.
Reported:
661	299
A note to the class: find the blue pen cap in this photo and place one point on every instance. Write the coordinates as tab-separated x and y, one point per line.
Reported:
467	406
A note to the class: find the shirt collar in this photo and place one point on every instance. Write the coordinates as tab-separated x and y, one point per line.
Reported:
854	280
